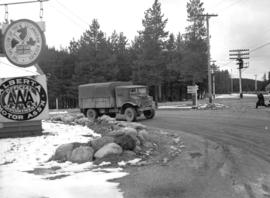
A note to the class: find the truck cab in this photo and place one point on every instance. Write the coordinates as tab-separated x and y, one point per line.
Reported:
135	98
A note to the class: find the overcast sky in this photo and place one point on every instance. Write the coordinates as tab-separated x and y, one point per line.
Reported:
240	24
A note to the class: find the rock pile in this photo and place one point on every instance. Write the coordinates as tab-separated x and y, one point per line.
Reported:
213	106
121	140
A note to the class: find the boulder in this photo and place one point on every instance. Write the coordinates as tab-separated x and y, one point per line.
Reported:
143	134
130	131
141	139
148	145
127	142
96	144
116	133
79	116
110	159
63	152
57	117
107	118
133	133
108	149
68	119
82	121
137	149
129	154
82	154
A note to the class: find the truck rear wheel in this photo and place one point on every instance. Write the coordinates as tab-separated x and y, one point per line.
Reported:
149	114
91	114
130	114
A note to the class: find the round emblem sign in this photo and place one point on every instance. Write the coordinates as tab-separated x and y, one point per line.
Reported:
22	99
23	42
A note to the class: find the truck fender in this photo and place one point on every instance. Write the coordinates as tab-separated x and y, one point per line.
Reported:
126	105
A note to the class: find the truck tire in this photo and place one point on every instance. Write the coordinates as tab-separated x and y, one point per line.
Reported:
91	114
130	114
149	114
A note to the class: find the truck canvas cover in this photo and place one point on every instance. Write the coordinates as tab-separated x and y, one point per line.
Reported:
95	95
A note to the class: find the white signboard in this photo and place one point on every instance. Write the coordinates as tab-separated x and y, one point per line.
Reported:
192	89
23	99
23	42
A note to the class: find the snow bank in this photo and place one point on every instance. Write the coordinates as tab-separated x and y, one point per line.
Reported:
175	107
236	95
87	184
58	112
24	167
30	151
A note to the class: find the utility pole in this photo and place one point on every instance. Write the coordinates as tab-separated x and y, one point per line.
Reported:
256	82
231	82
214	68
207	17
240	55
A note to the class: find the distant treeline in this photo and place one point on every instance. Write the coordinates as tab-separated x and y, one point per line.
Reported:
165	62
248	85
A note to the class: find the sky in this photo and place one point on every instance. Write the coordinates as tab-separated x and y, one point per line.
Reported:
240	24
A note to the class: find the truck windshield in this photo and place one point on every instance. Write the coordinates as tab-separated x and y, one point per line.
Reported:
142	91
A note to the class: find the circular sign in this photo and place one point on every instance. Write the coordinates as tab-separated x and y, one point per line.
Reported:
23	42
22	99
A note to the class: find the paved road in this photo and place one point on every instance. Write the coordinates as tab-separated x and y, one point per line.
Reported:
240	125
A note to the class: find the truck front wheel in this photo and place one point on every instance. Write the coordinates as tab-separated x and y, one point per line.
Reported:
149	114
130	114
91	114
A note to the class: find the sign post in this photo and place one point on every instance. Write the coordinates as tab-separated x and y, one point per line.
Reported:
193	90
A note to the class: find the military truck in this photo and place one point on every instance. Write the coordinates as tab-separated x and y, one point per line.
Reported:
112	98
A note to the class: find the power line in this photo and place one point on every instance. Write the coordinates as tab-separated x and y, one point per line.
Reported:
72	13
218	4
22	69
227	63
22	2
261	46
253	50
229	6
68	16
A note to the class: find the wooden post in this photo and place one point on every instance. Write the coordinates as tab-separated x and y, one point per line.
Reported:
56	103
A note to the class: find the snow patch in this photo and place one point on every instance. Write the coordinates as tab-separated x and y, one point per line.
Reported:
24	166
58	112
130	162
175	107
236	95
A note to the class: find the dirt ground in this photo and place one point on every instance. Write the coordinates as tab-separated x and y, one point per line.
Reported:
202	169
228	156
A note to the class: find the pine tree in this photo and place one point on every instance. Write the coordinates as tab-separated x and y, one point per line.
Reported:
195	53
96	62
150	66
196	30
119	44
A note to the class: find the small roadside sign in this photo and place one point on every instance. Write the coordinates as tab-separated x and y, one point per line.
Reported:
192	89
